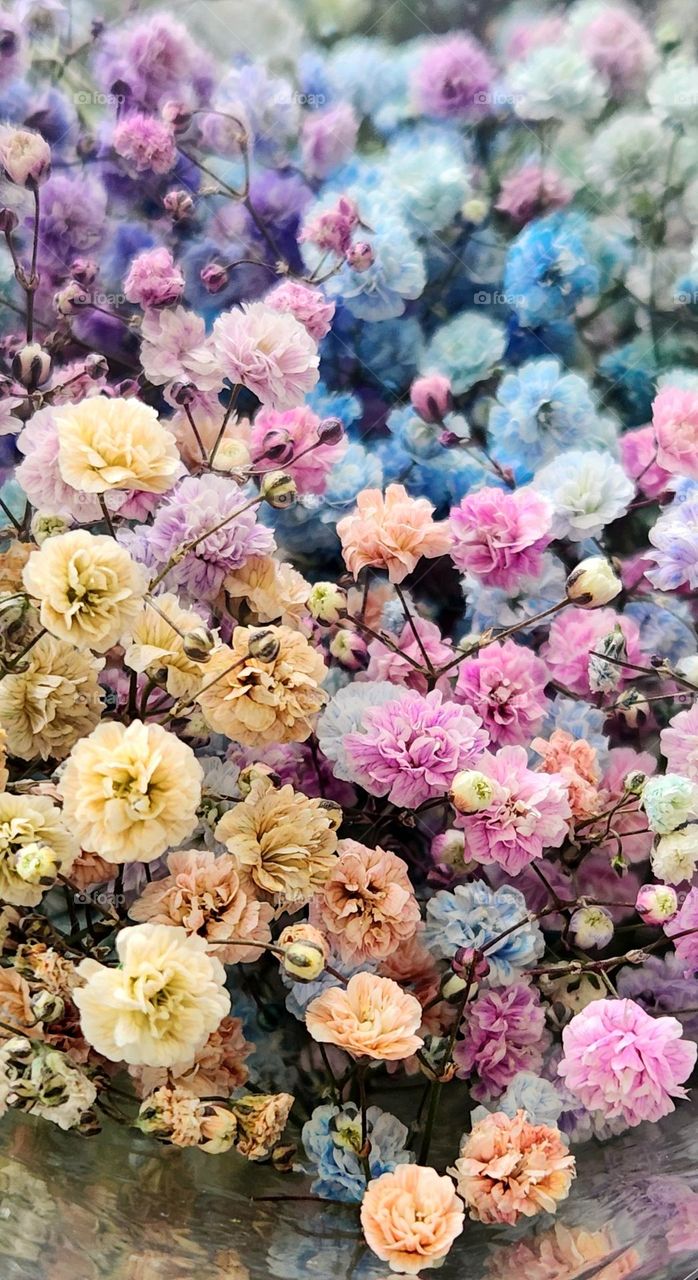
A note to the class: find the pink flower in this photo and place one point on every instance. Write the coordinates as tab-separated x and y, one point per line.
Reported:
572	636
367	905
146	142
268	351
309	306
453	78
386	664
503	1033
675	422
509	1168
431	397
532	190
505	684
297	429
371	1017
679	743
154	279
575	760
501	536
529	813
175	348
620	1061
687	945
391	532
620	47
411	1217
328	138
332	230
638	454
412	748
636	848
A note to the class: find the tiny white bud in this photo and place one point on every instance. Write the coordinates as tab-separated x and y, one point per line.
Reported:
592	927
471	791
593	583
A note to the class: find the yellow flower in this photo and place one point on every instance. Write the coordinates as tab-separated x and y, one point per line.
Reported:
88	587
272	589
34	847
115	443
55	701
160	1005
284	840
155	644
131	793
259	702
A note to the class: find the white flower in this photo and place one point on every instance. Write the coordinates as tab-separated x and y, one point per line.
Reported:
587	491
115	443
675	856
556	82
669	802
673	93
626	155
24	155
35	845
160	1005
592	927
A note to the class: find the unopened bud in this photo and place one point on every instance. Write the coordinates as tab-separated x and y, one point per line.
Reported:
471	791
470	961
360	255
32	366
70	298
177	115
198	644
593	583
452	985
475	210
178	204
333	812
264	644
96	366
84	270
45	526
632	708
605	665
182	393
8	221
214	277
330	431
327	603
278	489
657	903
634	782
304	961
432	398
350	650
252	773
277	446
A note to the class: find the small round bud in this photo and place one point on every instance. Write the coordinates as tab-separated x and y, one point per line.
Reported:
84	270
45	526
452	985
333	811
657	903
360	256
475	210
264	644
277	446
177	115
327	603
471	791
70	298
96	366
634	782
8	221
632	708
198	644
20	1050
330	431
592	927
431	397
448	848
214	277
178	204
303	961
470	960
593	583
350	650
182	393
32	366
47	1007
278	489
253	773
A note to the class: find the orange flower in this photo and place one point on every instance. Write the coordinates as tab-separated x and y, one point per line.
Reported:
509	1168
411	1217
372	1016
391	532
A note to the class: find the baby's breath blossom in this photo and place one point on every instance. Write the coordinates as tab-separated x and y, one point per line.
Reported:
370	1017
36	844
130	793
88	587
52	701
146	142
115	443
509	1168
391	531
160	1005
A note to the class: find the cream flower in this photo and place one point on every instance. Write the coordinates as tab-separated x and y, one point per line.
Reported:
258	702
131	793
272	589
283	839
55	700
217	1068
115	443
34	846
88	587
161	1004
155	644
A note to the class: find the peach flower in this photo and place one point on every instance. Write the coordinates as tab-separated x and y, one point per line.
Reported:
391	532
203	893
216	1069
272	588
15	1005
509	1168
411	1217
575	759
368	903
370	1017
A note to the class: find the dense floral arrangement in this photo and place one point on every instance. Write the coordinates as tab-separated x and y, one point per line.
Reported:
347	610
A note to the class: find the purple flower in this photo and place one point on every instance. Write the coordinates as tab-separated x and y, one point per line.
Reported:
675	537
454	78
328	138
412	748
71	222
198	504
503	1033
152	60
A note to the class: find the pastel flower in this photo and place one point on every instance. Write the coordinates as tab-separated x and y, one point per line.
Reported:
549	269
674	547
586	490
576	762
146	142
622	1062
115	443
332	1140
411	1217
556	82
154	279
503	1033
574	634
36	844
270	352
367	904
391	531
52	701
88	587
272	588
473	916
218	1067
162	1002
679	743
328	138
675	856
529	813
344	714
669	802
412	748
500	536
509	1168
309	460
505	685
25	156
638	454
684	928
174	347
130	793
370	1017
530	1093
619	46
309	306
386	664
39	475
532	190
261	1119
466	349
453	78
157	638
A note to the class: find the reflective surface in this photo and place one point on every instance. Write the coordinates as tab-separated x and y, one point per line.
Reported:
118	1206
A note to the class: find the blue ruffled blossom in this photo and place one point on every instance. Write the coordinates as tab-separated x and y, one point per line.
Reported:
332	1140
549	269
472	916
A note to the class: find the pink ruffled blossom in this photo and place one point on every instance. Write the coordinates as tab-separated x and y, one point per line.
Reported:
505	684
367	905
503	1033
454	78
675	422
154	279
146	143
530	812
619	1060
684	929
532	190
175	348
333	229
269	352
679	743
638	454
309	306
572	636
310	463
387	664
501	536
619	46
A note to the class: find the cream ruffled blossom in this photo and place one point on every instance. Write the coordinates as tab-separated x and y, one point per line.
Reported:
160	1005
4	775
50	703
88	587
509	1168
273	589
391	531
36	843
115	443
157	645
131	793
370	1017
256	702
410	1218
284	841
215	1070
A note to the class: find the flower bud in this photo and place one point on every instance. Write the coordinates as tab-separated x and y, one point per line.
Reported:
32	366
264	644
47	1007
330	431
605	676
214	277
96	366
182	393
333	812
448	848
25	156
70	298
592	927
470	960
360	256
277	446
471	791
431	397
20	1050
475	210
632	708
232	455
688	668
303	961
36	863
453	985
634	782
45	526
84	270
657	903
178	204
177	115
593	583
8	221
350	650
198	644
278	489
327	603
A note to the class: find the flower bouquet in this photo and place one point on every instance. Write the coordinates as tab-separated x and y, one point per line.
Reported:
348	657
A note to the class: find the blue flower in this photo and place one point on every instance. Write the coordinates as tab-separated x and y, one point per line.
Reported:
356	470
427	168
472	915
675	541
668	631
530	1093
344	714
397	274
334	404
549	269
466	349
332	1140
631	372
390	352
493	607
